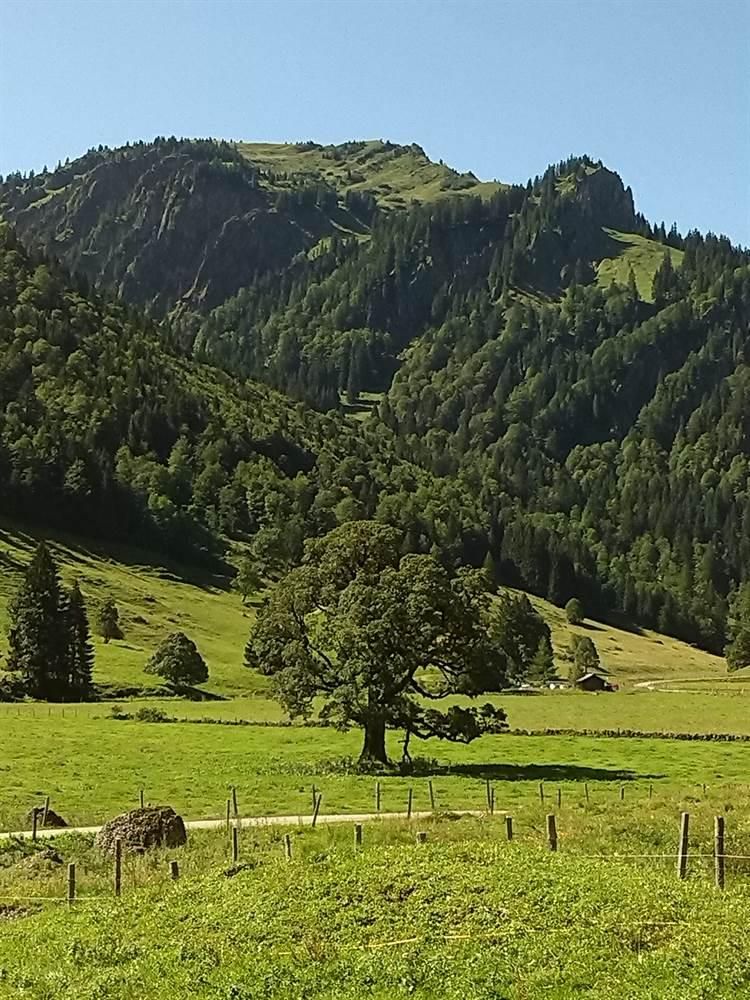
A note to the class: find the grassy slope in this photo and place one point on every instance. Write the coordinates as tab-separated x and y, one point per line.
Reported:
444	921
153	602
395	180
644	256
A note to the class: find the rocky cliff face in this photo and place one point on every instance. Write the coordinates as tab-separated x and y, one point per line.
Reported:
163	224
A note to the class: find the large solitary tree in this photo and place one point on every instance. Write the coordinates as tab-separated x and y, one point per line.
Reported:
376	635
178	661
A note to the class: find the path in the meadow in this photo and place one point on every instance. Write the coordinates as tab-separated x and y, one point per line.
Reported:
216	824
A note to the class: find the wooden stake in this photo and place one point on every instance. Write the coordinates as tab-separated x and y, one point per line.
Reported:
622	793
235	845
559	796
492	801
409	803
552	832
509	827
357	836
586	790
288	846
174	870
140	798
432	795
421	837
541	792
719	860
377	796
682	855
46	810
488	793
71	883
118	866
316	810
229	811
34	821
234	801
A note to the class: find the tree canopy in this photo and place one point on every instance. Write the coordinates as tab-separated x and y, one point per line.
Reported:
178	661
376	635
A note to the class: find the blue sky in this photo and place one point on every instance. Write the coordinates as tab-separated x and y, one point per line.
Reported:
658	89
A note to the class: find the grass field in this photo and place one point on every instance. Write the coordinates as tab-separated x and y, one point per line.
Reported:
93	768
396	177
464	915
643	255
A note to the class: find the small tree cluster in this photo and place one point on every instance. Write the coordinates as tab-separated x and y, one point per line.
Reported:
49	642
109	621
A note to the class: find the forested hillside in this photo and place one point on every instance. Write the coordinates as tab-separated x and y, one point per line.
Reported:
573	381
105	428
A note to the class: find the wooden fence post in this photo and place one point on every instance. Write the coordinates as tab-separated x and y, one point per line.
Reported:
34	821
316	810
228	814
118	866
46	810
140	798
174	870
71	883
314	797
682	855
622	793
552	832
586	790
719	860
235	845
541	791
357	836
421	837
492	801
288	847
509	827
409	803
432	795
377	796
234	802
559	796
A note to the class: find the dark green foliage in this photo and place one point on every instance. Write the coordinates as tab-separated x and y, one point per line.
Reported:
585	657
109	621
80	649
519	630
248	579
358	625
574	611
542	667
178	661
49	645
738	650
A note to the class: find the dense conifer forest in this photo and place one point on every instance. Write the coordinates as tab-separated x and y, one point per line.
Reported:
559	388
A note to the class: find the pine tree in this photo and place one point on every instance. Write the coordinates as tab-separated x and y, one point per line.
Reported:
37	638
542	669
80	650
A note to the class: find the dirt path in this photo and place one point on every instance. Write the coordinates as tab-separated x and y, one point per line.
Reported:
216	824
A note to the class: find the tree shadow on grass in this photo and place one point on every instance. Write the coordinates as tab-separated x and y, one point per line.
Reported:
541	772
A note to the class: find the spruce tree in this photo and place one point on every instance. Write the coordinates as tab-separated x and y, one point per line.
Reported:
542	668
37	640
80	650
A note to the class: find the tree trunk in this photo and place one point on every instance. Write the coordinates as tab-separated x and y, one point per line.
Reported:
374	745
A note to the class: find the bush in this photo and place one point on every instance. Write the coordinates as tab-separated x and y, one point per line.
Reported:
178	661
574	611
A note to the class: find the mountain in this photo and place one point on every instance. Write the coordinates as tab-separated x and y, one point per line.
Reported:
106	428
571	380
